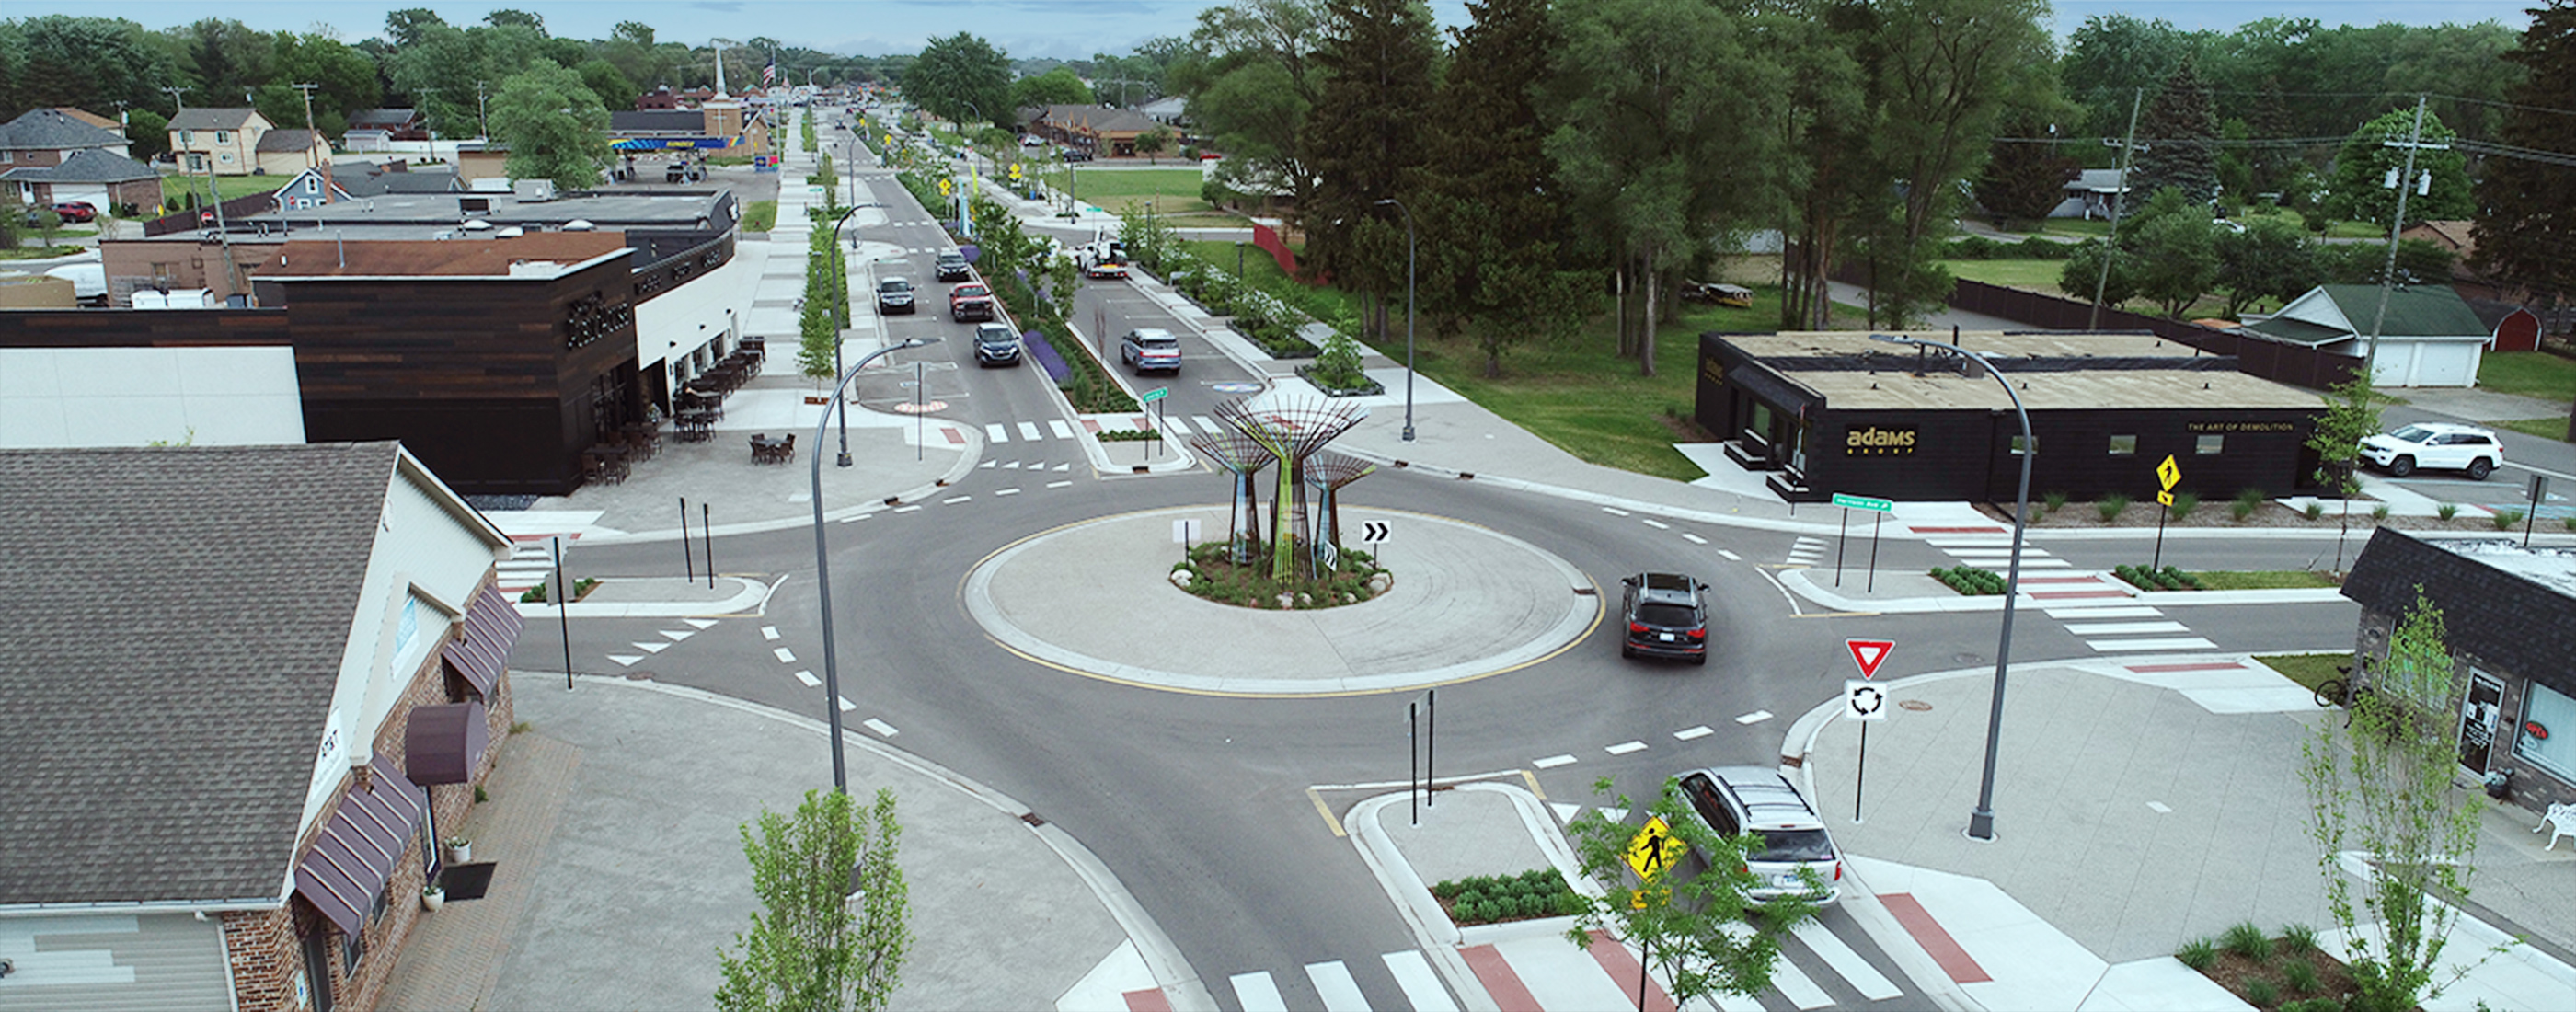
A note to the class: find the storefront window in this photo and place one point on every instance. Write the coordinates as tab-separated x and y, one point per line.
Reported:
2547	734
2209	445
2124	446
2017	445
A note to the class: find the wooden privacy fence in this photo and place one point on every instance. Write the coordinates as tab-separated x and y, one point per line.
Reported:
1268	239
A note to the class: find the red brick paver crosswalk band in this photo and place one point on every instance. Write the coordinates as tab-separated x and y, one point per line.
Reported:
1934	939
1496	974
1148	1000
1623	969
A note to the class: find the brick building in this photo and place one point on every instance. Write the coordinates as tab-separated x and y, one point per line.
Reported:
2511	617
250	690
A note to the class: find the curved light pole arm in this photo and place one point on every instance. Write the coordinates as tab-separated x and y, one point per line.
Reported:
1408	314
823	570
1981	820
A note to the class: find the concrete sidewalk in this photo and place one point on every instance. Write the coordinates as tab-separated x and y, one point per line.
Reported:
620	872
2139	804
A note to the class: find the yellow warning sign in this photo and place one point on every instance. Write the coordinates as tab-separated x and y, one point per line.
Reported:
1015	170
2169	472
1654	849
2164	499
943	187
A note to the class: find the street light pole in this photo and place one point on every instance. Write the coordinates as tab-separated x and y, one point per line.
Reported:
840	324
823	572
1981	821
1408	314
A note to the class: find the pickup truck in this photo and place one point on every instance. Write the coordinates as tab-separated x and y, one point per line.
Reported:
970	302
1106	258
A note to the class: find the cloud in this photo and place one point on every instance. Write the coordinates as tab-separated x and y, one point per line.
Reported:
725	6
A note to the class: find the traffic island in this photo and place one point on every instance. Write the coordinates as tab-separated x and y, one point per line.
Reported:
1094	598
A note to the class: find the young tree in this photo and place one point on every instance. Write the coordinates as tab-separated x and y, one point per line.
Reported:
1153	143
2180	134
961	77
831	935
1700	930
2177	258
2529	222
2362	170
555	127
2350	417
1055	87
2381	792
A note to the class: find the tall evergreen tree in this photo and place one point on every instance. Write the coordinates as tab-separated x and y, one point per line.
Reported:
2362	170
2179	131
1364	139
1490	208
2526	225
2024	180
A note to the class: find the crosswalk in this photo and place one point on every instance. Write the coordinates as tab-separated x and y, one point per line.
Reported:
531	562
1173	426
2099	608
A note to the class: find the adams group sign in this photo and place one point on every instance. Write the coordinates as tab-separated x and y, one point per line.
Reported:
1879	440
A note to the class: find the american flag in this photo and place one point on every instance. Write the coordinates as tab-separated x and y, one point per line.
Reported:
769	74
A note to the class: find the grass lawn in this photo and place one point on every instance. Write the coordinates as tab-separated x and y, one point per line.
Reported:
761	217
2336	230
2042	275
2529	373
2285	579
38	252
2309	670
2545	428
1174	191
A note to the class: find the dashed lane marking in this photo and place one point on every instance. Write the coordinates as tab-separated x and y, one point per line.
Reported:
1625	747
1614	511
769	632
1058	484
1553	762
1008	491
846	705
1694	539
1730	556
954	500
785	656
808	678
988	465
880	727
677	635
906	509
652	648
624	661
1688	733
1754	717
1654	523
702	623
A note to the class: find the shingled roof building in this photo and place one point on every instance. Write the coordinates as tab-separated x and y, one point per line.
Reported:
2511	618
241	142
236	720
2428	338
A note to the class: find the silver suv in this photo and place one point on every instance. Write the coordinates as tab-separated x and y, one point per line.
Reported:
1735	800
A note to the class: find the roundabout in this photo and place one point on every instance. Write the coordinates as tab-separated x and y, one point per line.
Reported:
1093	598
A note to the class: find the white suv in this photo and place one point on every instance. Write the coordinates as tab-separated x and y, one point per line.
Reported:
1790	841
2437	445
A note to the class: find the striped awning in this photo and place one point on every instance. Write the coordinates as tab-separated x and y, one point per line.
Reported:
357	852
491	629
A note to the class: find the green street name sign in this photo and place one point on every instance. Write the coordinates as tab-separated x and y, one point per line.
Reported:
1862	502
1156	394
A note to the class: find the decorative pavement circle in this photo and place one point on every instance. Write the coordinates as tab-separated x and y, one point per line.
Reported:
1094	598
1235	388
923	408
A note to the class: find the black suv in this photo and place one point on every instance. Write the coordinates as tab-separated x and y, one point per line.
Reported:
1666	615
996	344
952	266
894	295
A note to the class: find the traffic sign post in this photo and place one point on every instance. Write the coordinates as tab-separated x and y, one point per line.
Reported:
1867	704
1879	509
2168	474
1869	654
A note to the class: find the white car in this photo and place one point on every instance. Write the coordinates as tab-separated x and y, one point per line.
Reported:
1790	840
2436	445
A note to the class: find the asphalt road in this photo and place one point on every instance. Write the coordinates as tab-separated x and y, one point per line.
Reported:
1201	804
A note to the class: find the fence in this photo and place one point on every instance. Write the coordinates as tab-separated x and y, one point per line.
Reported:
206	217
1268	239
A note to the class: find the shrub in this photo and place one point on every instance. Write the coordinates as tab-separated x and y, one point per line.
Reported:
2301	975
2315	511
2055	501
2199	954
2247	940
2300	938
2316	1004
2505	519
2380	512
2262	993
2111	506
2448	510
2184	503
1970	580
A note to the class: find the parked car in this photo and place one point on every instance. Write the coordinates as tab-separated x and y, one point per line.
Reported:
996	344
1032	141
1073	154
952	266
74	210
2437	445
1736	800
1666	616
894	295
1150	349
970	302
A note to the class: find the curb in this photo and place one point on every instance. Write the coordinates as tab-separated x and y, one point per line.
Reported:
1439	939
1797	581
967	457
749	595
1171	969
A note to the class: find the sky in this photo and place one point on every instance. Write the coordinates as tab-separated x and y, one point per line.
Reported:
1068	29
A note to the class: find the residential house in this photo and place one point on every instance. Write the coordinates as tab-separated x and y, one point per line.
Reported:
2089	195
394	124
108	182
2429	336
238	722
241	142
40	137
315	187
1103	131
2510	615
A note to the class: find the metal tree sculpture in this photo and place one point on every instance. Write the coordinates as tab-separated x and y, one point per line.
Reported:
1245	457
1291	429
1328	472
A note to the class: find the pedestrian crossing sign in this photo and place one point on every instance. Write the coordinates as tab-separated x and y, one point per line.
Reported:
1654	849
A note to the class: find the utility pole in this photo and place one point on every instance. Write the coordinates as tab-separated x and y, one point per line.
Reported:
482	121
2388	274
309	137
2119	190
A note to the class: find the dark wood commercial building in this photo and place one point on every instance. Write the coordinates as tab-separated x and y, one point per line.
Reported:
1840	412
2510	617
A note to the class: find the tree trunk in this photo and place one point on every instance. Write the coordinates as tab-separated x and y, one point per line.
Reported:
1619	304
1646	344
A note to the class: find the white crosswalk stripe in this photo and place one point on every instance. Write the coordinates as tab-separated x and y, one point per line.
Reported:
1175	426
1061	430
2176	643
2124	628
1333	981
1205	423
1029	431
1256	993
993	433
1863	977
1422	988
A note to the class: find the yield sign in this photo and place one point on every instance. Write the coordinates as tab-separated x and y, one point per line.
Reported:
1868	654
